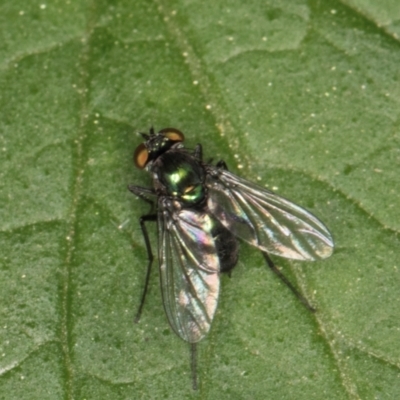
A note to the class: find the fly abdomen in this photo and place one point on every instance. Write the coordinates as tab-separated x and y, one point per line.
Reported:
227	247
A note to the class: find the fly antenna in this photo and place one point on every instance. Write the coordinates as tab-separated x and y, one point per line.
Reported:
144	135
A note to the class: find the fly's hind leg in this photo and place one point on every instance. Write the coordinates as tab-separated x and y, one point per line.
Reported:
286	281
145	194
193	364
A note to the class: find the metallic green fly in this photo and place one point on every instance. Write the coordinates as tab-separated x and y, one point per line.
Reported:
201	209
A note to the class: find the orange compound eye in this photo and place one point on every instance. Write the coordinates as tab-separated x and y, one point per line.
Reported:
173	134
141	156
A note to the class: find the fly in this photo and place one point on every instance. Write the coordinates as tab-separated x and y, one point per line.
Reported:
201	210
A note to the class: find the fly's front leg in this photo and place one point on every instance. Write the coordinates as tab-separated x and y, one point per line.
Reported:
286	281
222	164
146	195
198	152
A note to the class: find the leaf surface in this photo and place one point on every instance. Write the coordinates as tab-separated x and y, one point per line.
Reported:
300	96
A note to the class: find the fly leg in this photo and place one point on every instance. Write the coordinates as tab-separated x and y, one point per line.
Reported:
198	152
193	364
151	217
145	194
286	281
143	219
222	164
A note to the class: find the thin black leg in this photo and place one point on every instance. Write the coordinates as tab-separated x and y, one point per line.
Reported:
222	164
286	281
145	194
198	152
193	364
150	257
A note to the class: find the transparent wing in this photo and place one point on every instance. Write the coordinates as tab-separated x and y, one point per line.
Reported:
266	220
189	270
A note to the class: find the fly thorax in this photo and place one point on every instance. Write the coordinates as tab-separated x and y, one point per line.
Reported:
181	177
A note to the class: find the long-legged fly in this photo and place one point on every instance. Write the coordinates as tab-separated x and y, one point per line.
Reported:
201	210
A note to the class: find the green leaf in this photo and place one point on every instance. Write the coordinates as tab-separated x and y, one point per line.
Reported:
300	96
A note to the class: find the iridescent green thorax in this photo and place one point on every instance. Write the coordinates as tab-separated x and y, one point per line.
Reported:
181	176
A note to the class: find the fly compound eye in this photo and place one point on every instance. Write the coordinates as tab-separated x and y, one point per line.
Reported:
173	134
141	156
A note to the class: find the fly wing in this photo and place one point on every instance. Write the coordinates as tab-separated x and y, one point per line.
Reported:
189	270
266	220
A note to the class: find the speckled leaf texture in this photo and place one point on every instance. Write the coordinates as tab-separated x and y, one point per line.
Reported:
300	96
